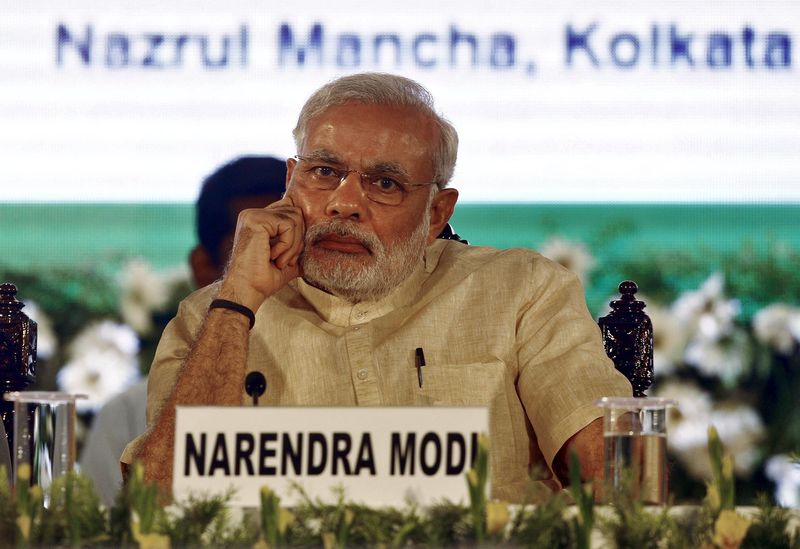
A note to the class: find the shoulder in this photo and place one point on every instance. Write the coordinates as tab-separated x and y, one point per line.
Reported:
512	262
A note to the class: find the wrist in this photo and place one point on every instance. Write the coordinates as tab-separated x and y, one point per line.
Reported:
241	294
229	305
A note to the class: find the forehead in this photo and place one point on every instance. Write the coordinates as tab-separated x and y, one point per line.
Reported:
366	134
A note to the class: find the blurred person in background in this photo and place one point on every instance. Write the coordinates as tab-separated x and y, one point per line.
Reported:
245	182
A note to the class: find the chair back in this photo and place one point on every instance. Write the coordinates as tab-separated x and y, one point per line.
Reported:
449	234
628	338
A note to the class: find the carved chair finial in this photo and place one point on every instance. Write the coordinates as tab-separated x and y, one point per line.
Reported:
628	338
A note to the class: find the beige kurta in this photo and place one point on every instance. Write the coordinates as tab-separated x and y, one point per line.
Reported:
506	329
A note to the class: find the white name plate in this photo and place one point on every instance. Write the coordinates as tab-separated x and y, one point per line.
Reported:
381	456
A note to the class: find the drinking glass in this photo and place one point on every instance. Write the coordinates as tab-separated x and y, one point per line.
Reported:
635	446
44	434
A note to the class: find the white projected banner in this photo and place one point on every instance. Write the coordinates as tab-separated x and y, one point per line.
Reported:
554	101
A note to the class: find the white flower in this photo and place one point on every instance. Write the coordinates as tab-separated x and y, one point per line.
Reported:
694	404
46	339
314	525
687	424
103	362
706	312
778	326
716	346
740	430
669	339
572	255
726	359
105	335
785	473
176	276
794	326
143	291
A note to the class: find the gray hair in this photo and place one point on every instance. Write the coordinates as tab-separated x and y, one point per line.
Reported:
384	89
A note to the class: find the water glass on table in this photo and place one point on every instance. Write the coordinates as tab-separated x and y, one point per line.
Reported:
44	435
635	447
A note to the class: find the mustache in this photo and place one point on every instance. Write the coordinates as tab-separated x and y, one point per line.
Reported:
319	231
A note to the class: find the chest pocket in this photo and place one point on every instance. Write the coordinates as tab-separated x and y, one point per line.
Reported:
473	384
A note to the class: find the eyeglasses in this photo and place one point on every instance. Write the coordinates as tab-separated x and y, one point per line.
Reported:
382	187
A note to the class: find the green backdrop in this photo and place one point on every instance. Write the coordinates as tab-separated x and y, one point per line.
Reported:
101	236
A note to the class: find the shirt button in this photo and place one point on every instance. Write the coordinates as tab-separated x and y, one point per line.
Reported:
360	315
356	328
362	374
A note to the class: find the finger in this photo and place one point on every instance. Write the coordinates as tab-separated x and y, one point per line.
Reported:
299	238
284	202
282	237
291	255
290	237
281	223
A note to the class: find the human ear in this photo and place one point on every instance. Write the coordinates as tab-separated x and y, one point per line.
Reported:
442	206
204	270
290	165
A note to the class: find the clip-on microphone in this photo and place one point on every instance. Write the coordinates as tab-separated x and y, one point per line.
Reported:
255	384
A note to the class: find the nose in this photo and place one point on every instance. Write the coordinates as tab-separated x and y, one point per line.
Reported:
348	200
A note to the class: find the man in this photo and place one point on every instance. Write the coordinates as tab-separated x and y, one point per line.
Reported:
245	182
346	278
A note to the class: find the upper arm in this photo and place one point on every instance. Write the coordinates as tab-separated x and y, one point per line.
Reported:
563	368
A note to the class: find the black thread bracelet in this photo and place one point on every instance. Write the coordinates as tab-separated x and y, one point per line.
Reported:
233	306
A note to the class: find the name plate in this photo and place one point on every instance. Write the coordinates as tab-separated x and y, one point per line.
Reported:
381	456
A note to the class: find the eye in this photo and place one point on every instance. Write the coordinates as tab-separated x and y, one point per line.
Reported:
324	171
386	184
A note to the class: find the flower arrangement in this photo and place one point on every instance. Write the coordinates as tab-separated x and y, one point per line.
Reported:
74	517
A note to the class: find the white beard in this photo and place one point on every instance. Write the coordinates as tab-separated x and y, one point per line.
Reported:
355	278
